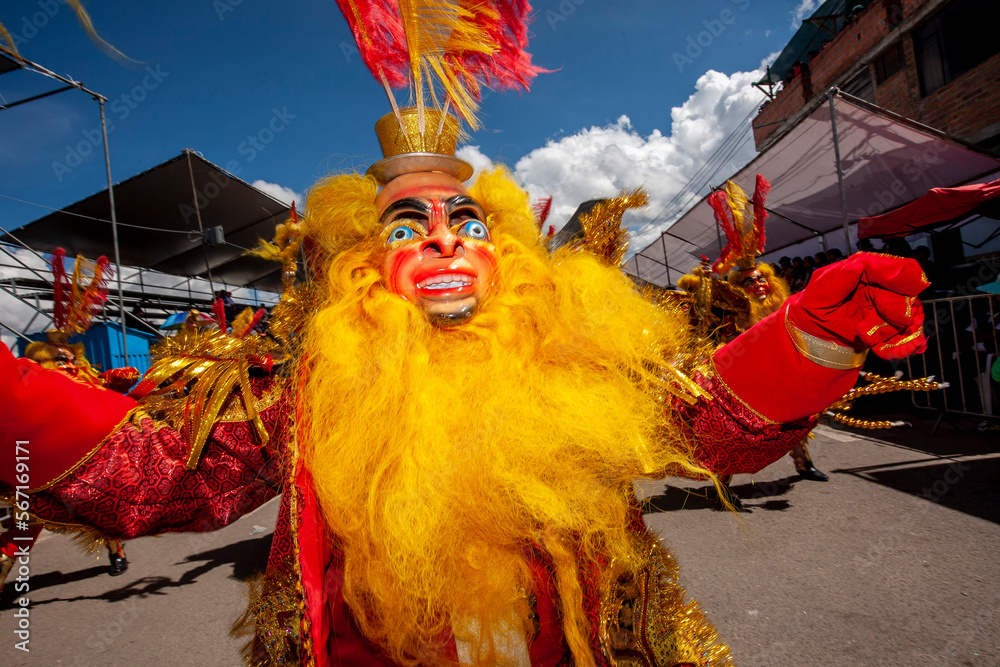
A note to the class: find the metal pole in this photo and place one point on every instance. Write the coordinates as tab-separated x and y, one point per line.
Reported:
635	258
663	244
840	171
201	230
114	231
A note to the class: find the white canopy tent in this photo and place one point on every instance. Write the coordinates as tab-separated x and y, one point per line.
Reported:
846	160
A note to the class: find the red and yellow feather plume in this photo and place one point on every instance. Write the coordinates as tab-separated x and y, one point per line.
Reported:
445	50
742	223
77	299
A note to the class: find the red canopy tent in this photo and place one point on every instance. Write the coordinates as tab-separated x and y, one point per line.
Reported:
939	205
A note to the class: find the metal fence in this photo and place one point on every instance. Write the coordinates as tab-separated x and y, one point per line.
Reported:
962	346
26	294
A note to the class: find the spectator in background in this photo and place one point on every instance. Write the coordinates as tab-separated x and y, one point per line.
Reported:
821	259
808	266
834	255
898	247
798	280
866	245
226	296
785	264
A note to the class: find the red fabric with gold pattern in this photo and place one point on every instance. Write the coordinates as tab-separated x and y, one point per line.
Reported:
137	483
62	419
733	439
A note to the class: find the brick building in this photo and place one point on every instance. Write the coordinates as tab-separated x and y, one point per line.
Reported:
933	61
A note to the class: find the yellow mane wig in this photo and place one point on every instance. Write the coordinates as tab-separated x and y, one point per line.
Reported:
688	282
44	353
779	291
444	457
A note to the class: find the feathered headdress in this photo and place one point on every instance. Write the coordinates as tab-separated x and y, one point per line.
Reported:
743	226
445	52
8	45
77	299
541	209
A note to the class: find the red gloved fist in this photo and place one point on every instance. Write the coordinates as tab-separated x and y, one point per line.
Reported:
865	301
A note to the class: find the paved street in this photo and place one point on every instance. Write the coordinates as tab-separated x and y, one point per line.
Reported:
892	562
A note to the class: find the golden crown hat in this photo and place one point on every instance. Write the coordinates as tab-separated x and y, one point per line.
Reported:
405	149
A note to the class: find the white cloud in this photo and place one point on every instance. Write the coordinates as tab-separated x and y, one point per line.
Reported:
803	11
475	157
280	192
769	59
603	161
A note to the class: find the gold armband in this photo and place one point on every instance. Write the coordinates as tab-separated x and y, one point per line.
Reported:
824	352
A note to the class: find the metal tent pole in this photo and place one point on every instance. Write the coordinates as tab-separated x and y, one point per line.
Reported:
201	230
840	171
666	263
114	230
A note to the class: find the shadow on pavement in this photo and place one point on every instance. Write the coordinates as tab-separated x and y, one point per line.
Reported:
676	498
247	558
965	486
36	582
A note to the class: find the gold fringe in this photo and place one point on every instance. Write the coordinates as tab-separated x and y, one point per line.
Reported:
271	620
602	226
434	30
644	620
194	375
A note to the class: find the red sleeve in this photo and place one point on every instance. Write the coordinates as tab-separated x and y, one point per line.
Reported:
137	483
764	370
57	420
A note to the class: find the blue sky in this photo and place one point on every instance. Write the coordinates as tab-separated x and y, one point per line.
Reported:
641	93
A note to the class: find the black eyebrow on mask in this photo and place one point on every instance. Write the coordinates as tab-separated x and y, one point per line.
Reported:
407	203
462	201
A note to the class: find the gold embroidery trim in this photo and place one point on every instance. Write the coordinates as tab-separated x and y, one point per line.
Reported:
305	630
871	332
824	352
732	393
912	336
